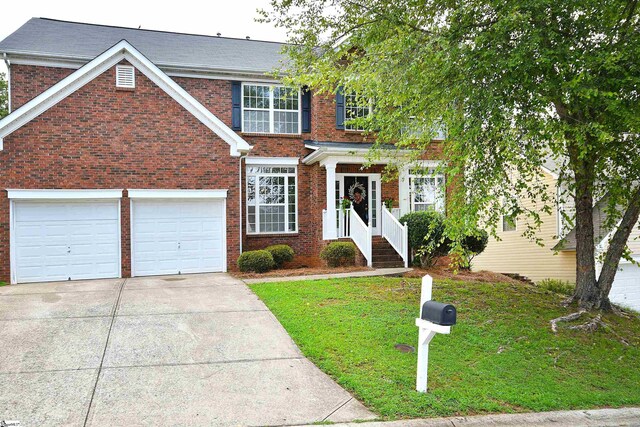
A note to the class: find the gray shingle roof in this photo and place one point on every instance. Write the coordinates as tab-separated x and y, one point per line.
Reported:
72	40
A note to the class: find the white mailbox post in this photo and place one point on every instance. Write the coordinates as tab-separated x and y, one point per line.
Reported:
427	330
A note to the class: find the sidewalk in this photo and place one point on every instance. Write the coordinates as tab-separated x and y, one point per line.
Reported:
367	273
583	418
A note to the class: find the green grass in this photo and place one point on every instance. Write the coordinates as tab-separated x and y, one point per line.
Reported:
500	357
3	283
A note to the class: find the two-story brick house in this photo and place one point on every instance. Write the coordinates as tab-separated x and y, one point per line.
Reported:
136	152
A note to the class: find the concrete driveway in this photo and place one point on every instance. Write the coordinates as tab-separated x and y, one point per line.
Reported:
180	350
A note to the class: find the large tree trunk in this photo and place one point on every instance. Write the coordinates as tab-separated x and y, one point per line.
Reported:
586	293
615	251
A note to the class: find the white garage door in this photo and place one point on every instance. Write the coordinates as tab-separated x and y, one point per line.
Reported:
66	240
626	286
178	236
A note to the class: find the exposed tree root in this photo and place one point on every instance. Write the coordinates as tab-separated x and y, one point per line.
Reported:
567	318
590	326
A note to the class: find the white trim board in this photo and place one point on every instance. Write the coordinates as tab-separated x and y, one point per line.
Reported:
14	194
177	194
275	161
123	50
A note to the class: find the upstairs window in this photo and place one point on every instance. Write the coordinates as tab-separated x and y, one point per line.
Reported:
426	190
270	109
355	108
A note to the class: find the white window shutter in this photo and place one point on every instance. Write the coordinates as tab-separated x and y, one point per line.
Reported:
125	76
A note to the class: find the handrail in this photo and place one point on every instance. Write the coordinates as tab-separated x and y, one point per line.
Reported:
361	234
396	234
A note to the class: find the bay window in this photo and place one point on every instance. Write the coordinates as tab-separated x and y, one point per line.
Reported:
270	109
272	199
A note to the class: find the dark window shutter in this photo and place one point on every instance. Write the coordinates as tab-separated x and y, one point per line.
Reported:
340	108
306	110
236	114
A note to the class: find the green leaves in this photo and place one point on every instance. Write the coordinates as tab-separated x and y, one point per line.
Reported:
514	83
4	96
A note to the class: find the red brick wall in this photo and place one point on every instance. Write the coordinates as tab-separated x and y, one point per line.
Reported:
100	137
28	81
103	138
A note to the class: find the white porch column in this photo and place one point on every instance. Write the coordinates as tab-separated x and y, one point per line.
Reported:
331	232
403	190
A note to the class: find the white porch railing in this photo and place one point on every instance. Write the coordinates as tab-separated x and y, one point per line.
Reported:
361	235
344	223
396	213
396	234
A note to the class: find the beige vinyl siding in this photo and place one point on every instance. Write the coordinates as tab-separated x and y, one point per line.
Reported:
517	254
634	240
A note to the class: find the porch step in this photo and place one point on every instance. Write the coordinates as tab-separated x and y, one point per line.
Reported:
384	256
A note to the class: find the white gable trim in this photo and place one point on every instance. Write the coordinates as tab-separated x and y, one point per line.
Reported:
101	63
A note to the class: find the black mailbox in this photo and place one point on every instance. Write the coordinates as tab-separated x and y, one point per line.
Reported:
439	313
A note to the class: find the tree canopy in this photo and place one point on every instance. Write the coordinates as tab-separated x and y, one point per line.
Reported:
513	83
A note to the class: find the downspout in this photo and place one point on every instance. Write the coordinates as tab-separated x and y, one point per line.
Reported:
240	192
8	63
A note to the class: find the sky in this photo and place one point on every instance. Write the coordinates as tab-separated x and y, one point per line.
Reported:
232	18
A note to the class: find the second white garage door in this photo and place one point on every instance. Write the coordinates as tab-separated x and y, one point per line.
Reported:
172	236
625	290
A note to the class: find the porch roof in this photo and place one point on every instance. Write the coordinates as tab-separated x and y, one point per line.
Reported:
351	152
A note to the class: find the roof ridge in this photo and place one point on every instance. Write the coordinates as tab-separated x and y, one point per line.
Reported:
160	31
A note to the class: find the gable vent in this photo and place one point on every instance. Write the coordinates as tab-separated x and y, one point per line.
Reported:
125	76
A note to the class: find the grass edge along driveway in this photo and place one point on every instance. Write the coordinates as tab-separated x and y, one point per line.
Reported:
500	357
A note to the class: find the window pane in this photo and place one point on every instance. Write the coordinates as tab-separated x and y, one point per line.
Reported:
292	202
272	219
355	108
271	190
256	96
256	121
251	190
285	122
285	98
251	218
508	223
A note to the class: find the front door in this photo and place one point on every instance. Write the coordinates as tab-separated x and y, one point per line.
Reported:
363	191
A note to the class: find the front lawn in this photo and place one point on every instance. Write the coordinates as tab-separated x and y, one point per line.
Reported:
500	357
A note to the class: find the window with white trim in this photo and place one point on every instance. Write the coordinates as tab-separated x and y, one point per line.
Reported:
509	223
355	108
426	190
270	109
272	199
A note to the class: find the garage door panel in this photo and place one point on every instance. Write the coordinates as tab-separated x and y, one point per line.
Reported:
66	239
177	236
626	287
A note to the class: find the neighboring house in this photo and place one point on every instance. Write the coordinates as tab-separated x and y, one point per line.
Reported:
516	254
134	152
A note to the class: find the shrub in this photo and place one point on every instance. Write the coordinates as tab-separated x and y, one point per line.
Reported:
280	254
426	236
558	286
339	253
473	245
257	261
